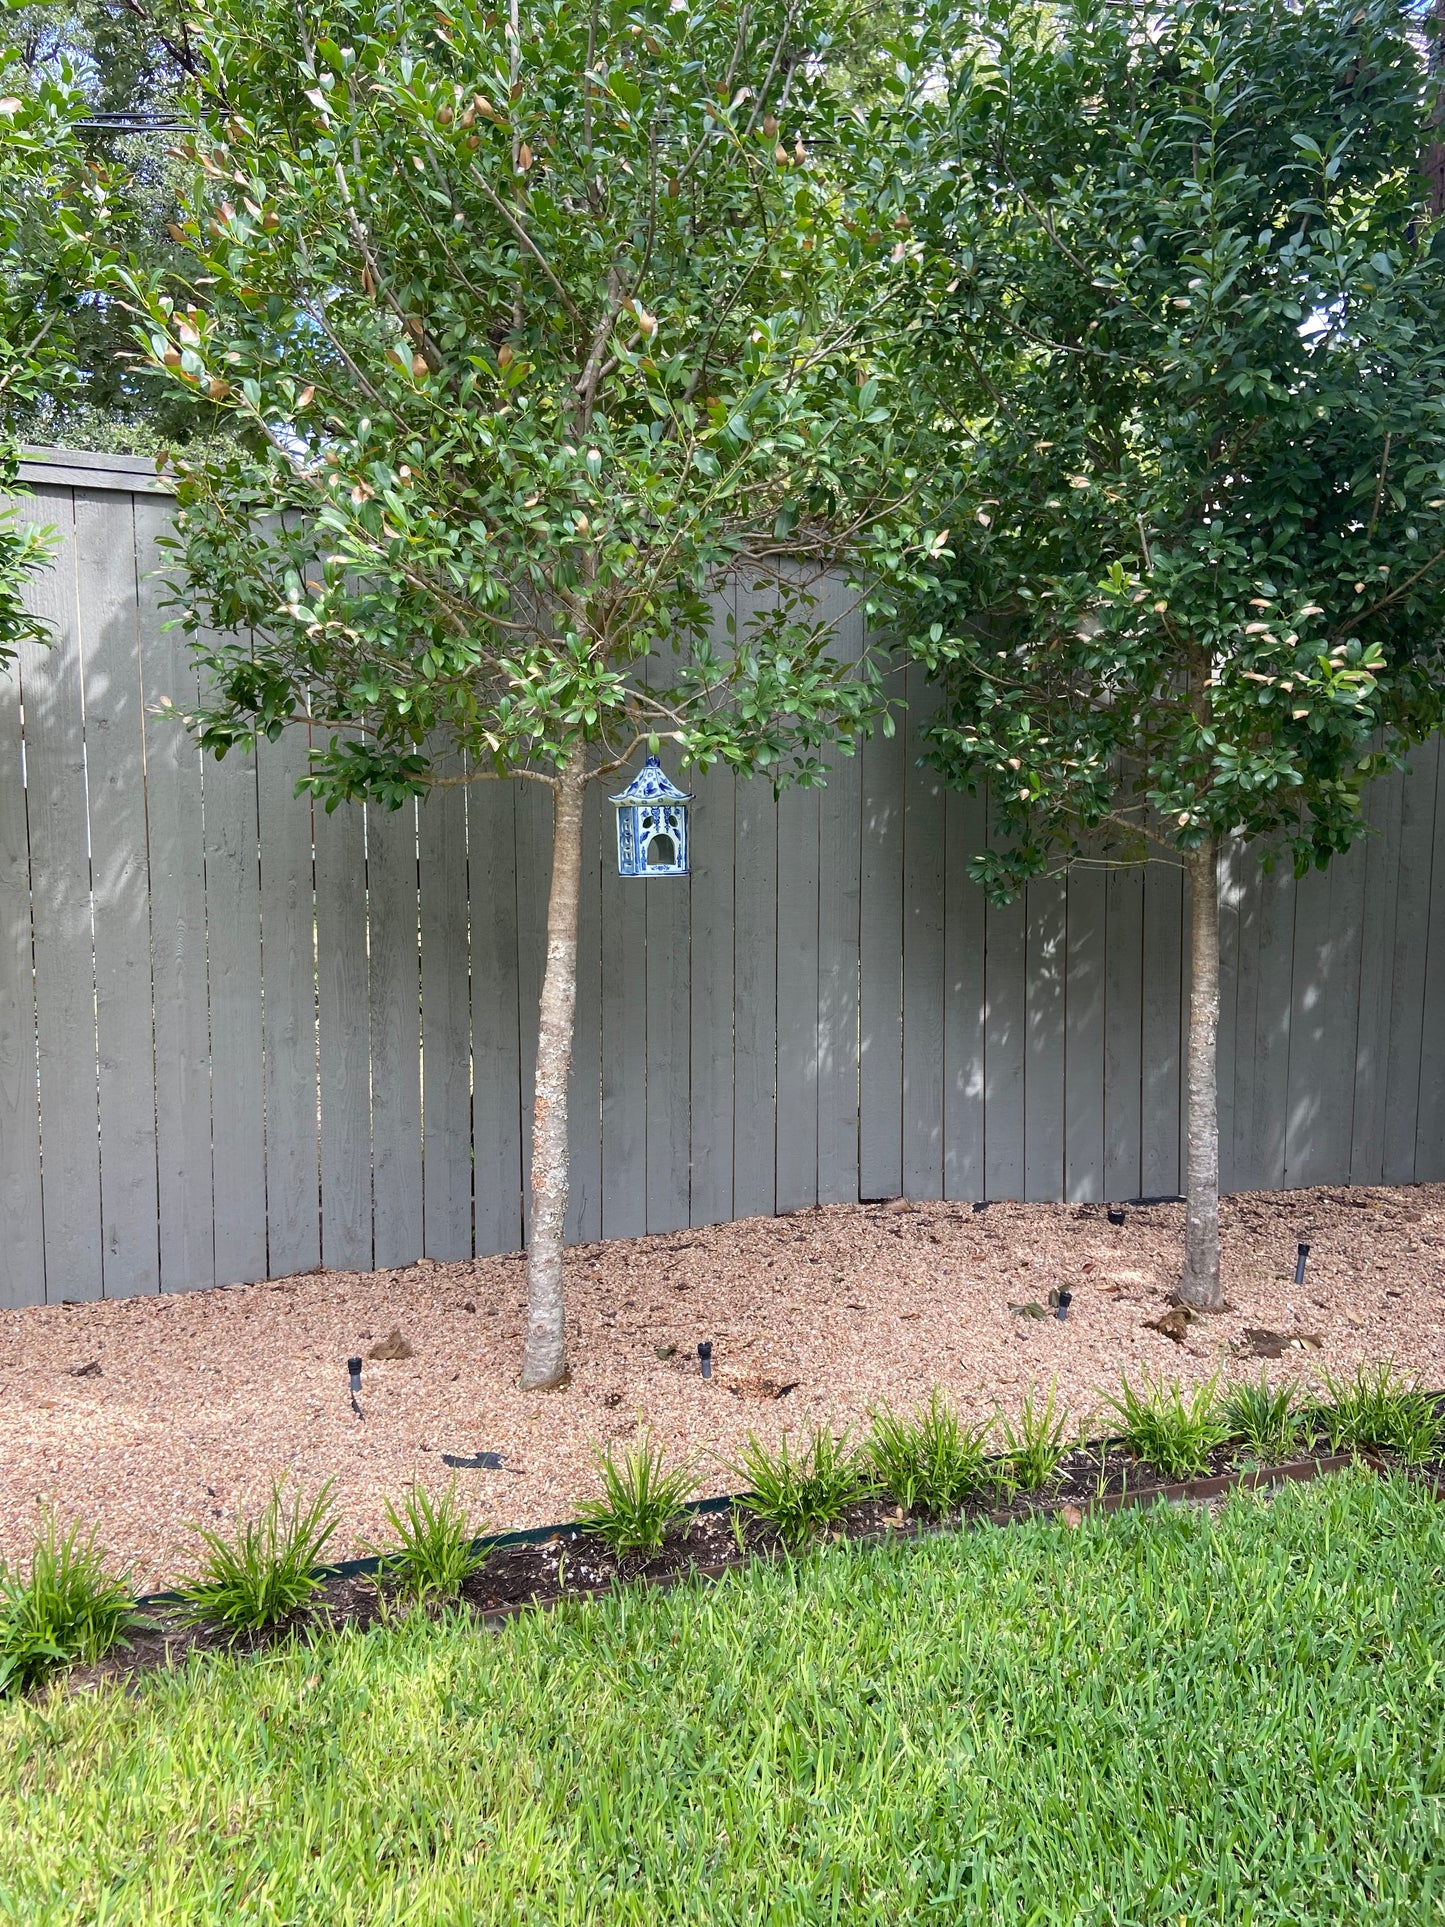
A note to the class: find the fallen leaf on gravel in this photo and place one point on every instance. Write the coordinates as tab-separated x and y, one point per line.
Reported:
762	1387
392	1346
1268	1344
1173	1324
1072	1517
665	1351
90	1370
1030	1310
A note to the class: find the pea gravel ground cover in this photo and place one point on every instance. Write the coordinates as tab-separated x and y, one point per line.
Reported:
1159	1717
143	1415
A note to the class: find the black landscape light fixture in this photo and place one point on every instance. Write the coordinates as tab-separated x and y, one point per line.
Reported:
1116	1214
1300	1262
1066	1298
704	1354
353	1367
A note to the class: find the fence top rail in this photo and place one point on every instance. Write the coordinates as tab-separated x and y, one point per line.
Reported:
90	468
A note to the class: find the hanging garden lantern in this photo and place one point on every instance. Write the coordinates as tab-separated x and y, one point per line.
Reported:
652	825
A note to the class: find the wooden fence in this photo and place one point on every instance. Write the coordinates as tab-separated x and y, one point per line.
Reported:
240	1039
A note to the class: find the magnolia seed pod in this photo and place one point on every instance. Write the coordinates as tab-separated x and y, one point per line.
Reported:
504	356
484	106
468	119
418	366
172	357
584	527
270	220
674	187
780	154
445	116
306	397
770	126
647	323
176	234
474	141
524	158
800	153
218	389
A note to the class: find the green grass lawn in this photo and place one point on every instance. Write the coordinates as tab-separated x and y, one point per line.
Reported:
1158	1718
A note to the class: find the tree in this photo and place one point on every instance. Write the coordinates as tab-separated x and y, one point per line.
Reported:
128	64
541	327
1196	334
50	213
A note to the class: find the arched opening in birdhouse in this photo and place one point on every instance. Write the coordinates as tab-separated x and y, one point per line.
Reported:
661	852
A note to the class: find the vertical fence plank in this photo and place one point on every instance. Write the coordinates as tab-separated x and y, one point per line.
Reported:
1123	1033
964	1011
1228	1041
288	978
1160	1172
108	634
755	980
1372	1034
624	1050
1046	931
22	1240
797	1126
712	995
664	904
1430	1125
175	845
343	992
584	1109
1084	1034
839	901
1005	1015
1419	874
1268	970
64	937
496	1101
924	818
1324	1018
880	1079
391	895
446	1022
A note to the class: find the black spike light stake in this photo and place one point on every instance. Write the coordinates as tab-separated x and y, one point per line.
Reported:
1116	1214
704	1353
1299	1264
353	1367
1066	1298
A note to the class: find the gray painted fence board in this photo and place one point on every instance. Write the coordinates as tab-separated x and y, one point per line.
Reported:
446	1024
1123	1033
1418	876
827	1009
624	1050
233	941
1228	1010
175	845
343	1001
797	993
755	979
109	638
496	1103
880	1026
1083	1093
711	1042
1372	1032
924	942
288	977
964	1025
1045	972
22	1245
391	892
1160	1172
50	682
1430	1130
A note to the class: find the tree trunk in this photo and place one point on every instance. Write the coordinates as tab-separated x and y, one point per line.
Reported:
544	1361
1200	1285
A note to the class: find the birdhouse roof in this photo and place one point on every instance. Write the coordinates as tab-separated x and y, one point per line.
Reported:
652	784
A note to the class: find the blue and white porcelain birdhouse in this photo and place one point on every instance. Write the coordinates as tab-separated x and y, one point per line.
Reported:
652	825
